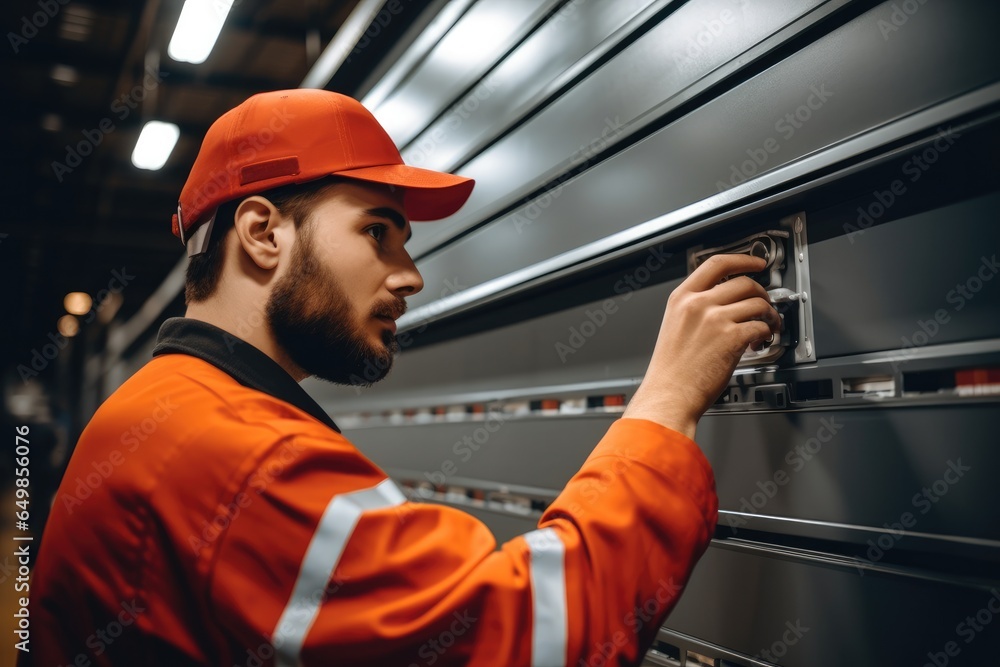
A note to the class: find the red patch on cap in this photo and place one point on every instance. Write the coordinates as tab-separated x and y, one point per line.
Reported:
262	171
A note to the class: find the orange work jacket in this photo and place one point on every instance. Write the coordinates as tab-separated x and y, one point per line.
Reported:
213	514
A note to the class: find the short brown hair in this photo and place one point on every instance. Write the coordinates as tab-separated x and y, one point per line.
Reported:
204	270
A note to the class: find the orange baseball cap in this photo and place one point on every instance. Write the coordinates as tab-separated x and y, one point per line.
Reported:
293	136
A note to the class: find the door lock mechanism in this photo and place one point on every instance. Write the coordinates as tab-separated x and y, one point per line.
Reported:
786	279
769	246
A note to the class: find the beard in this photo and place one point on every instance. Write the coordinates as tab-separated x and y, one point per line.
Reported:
311	318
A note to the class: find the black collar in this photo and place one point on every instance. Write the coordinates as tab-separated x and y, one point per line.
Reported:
244	362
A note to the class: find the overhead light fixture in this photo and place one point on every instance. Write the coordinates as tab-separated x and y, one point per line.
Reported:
68	326
197	29
78	303
77	23
65	75
52	122
156	141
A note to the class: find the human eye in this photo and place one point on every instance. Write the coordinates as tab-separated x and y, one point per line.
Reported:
377	231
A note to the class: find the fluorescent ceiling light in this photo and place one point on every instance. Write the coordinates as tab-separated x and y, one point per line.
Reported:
197	29
77	23
155	143
65	75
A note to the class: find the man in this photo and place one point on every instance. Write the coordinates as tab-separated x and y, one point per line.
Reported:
237	526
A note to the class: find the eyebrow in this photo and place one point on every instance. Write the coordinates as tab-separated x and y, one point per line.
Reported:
393	216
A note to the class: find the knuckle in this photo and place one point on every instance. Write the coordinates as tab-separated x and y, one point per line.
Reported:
715	263
697	301
754	286
681	298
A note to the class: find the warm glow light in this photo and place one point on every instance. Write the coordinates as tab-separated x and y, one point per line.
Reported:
197	29
68	326
65	75
155	143
78	303
77	24
51	122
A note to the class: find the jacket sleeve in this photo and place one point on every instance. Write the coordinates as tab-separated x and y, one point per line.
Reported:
327	563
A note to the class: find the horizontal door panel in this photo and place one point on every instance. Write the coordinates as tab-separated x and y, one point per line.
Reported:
508	91
605	107
929	471
695	156
805	615
467	51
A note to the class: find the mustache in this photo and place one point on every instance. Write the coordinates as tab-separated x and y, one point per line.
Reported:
392	309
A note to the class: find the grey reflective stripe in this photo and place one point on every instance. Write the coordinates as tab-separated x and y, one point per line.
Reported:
327	545
549	633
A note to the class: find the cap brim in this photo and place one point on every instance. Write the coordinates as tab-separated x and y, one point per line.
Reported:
429	195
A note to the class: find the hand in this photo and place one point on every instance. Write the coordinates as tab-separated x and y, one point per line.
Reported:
707	326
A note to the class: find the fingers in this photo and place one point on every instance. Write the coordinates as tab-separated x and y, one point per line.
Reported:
753	310
737	289
719	267
754	334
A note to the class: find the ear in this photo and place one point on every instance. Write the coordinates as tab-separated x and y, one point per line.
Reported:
262	231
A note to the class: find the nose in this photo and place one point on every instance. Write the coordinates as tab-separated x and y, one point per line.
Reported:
405	280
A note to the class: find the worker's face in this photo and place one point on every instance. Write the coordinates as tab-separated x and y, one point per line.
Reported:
333	310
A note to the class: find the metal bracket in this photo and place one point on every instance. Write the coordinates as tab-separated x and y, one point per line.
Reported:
786	278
